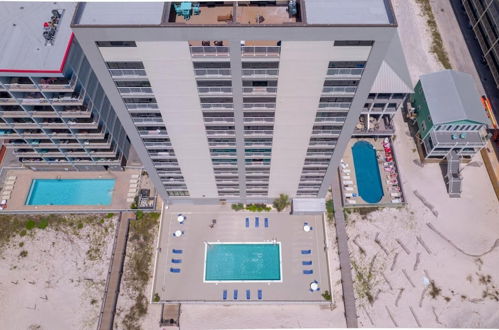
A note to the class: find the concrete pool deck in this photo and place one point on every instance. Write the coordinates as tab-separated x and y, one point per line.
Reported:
189	284
386	200
21	187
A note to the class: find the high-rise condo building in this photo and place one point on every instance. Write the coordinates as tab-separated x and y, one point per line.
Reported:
242	101
53	112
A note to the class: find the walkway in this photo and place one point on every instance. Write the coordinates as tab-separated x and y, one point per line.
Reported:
111	293
346	269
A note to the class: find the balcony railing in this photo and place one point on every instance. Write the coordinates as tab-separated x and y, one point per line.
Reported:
220	132
59	85
208	51
339	120
217	106
259	90
21	87
135	90
214	90
125	73
325	132
157	144
212	72
345	72
148	120
262	51
260	72
258	119
265	106
334	106
69	100
258	132
141	106
339	90
219	120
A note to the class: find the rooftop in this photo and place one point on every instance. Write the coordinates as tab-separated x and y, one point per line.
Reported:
327	12
452	96
22	44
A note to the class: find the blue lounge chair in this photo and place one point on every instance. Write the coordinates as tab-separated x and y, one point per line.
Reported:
177	251
266	222
174	270
306	263
257	222
177	261
235	294
306	251
224	295
308	271
247	222
260	295
248	295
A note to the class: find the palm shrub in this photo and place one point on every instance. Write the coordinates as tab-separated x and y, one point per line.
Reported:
282	202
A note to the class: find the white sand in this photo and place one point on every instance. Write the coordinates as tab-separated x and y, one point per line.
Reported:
56	268
470	222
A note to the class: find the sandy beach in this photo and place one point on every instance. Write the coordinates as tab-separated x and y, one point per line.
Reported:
58	282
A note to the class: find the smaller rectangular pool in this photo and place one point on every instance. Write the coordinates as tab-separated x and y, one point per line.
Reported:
71	192
242	262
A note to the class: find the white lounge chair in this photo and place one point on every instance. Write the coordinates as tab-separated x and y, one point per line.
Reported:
351	201
346	177
346	171
348	195
344	165
134	185
131	195
6	195
12	177
130	200
135	175
396	194
347	182
349	188
397	200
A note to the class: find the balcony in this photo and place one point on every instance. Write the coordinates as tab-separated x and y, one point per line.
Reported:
348	73
44	114
140	121
334	106
339	90
152	145
142	107
330	120
82	124
374	125
146	91
218	120
69	99
258	120
212	73
260	73
20	84
217	106
214	90
127	73
259	106
261	51
13	114
258	132
57	84
220	132
260	90
326	132
7	101
209	51
153	133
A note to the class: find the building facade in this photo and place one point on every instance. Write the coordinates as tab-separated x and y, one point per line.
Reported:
484	20
54	114
449	115
238	101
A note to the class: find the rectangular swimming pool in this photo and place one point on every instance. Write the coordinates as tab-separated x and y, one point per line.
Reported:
242	262
71	192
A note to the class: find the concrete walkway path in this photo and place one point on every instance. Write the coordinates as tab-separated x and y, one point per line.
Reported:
345	266
106	317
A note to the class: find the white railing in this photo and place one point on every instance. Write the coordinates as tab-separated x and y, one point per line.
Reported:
127	72
212	72
271	51
260	72
258	132
259	105
206	51
334	105
217	106
35	101
219	120
325	132
69	85
152	133
345	72
214	90
7	101
69	99
259	90
148	120
259	119
20	86
331	119
141	106
220	132
135	90
339	90
157	144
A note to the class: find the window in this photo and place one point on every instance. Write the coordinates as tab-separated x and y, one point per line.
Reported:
116	44
211	65
339	43
140	83
383	96
398	96
347	64
125	65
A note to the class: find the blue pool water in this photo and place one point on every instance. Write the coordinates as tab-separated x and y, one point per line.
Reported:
367	172
71	192
243	262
